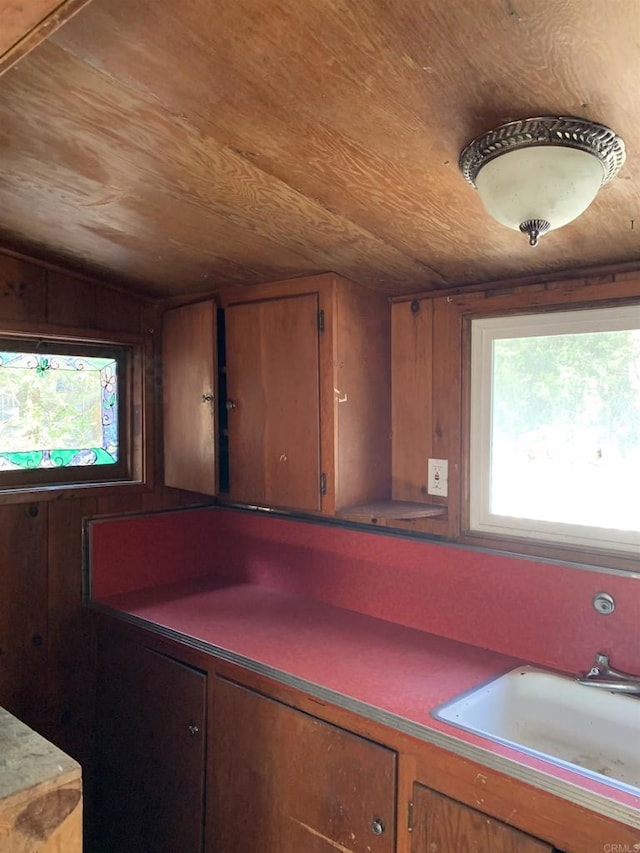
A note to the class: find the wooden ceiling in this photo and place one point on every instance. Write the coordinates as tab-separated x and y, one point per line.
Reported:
184	145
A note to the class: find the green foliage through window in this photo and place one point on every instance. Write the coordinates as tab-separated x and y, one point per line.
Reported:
555	426
57	410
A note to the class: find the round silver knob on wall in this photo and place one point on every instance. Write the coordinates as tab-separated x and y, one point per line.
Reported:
230	404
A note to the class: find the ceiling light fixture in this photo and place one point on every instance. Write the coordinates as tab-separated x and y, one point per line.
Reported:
538	174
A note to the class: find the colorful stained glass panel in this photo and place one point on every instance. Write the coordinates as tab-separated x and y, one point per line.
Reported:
57	411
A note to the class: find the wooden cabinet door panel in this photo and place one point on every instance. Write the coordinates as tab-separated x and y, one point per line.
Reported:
150	750
441	825
274	386
286	782
189	378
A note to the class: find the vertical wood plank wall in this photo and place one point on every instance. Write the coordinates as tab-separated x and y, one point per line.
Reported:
429	383
46	645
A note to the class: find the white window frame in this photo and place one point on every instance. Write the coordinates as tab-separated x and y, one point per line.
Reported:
484	331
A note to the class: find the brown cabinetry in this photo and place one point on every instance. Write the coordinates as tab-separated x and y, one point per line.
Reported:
446	826
308	386
273	391
189	403
150	751
286	782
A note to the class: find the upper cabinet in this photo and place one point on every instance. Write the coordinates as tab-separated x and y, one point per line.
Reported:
305	401
308	394
273	401
189	397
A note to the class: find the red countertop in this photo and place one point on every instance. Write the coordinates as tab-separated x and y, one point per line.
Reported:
534	610
388	672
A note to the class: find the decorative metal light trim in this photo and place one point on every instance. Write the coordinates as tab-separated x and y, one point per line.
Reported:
567	131
534	228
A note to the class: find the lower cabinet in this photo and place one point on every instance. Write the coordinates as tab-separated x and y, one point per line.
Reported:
442	825
148	791
287	782
206	759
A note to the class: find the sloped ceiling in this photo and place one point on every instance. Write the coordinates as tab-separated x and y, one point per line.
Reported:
185	145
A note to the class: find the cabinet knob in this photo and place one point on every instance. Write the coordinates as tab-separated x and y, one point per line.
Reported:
377	826
231	404
207	398
193	729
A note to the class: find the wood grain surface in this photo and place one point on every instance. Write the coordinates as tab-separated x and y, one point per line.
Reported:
286	781
40	793
273	385
447	826
188	379
178	148
24	25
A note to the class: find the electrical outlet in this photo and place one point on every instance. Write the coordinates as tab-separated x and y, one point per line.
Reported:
438	477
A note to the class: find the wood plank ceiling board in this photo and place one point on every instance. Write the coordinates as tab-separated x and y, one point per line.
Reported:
23	25
182	145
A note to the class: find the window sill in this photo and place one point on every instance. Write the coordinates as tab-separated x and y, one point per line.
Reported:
58	491
593	559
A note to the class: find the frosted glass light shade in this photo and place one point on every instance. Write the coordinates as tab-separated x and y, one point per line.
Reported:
537	174
545	182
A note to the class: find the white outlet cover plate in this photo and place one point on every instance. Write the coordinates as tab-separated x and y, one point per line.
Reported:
438	477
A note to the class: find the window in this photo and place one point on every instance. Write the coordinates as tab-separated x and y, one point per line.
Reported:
555	427
63	412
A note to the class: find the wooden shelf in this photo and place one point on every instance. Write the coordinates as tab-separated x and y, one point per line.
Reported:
396	510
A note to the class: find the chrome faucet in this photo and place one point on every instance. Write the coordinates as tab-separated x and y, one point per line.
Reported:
603	675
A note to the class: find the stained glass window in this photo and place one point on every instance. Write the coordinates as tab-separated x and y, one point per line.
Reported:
57	410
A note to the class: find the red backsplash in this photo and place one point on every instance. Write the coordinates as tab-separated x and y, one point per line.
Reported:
538	611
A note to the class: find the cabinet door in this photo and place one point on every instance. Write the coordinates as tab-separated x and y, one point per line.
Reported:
188	380
273	388
286	782
443	825
150	752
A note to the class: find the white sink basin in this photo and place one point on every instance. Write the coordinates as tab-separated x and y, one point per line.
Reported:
588	729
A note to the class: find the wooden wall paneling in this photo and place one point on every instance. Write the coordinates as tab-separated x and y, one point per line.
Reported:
362	396
118	503
117	311
23	290
446	399
23	612
411	397
510	298
25	25
189	378
70	640
70	301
